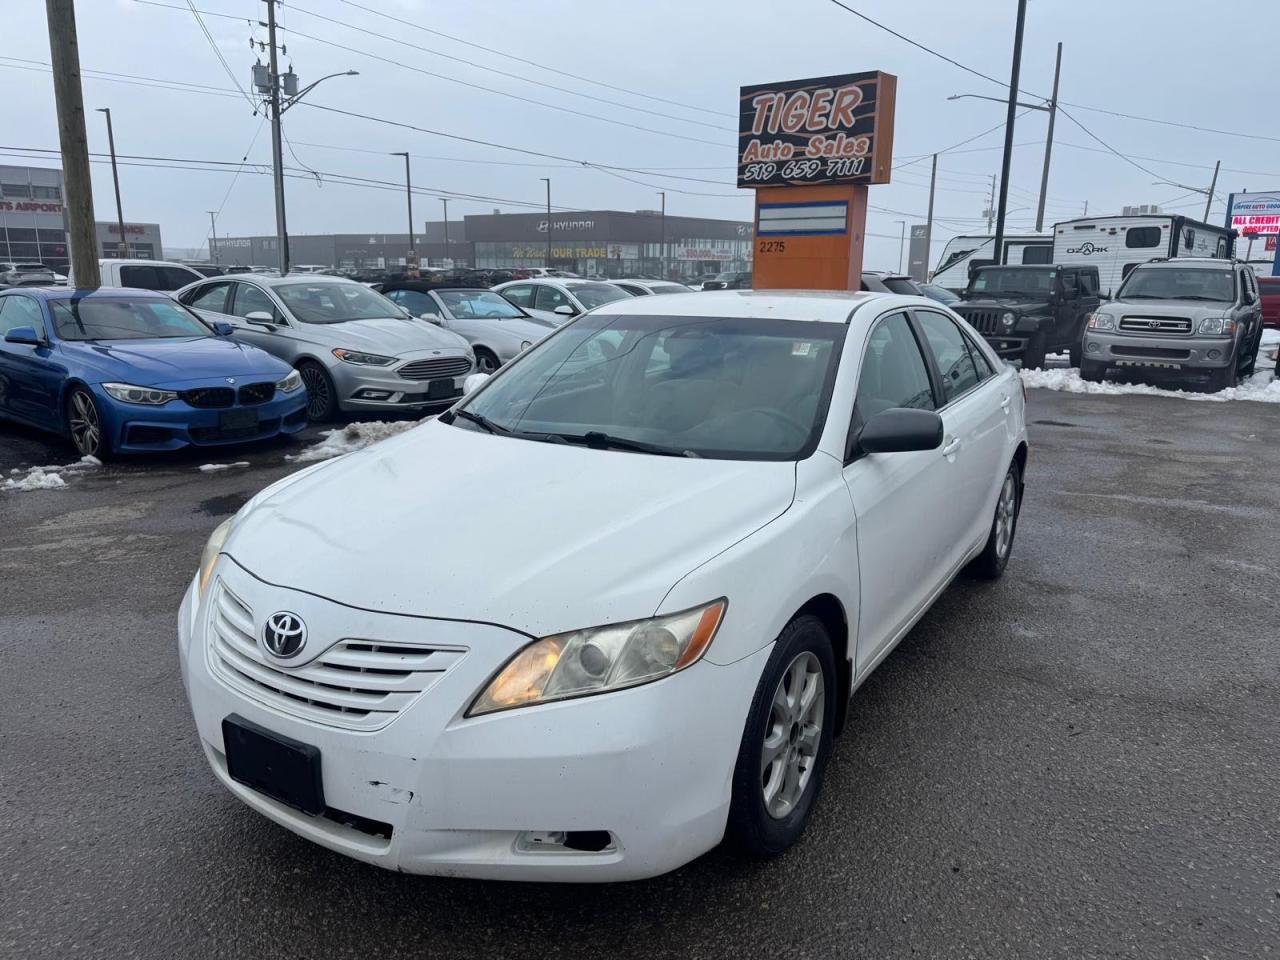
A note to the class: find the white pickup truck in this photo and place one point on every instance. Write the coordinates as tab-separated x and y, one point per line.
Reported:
145	274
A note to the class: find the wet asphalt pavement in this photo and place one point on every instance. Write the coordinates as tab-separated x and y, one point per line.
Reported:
1081	760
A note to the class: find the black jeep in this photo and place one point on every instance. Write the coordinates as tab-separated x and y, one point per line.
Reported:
1027	312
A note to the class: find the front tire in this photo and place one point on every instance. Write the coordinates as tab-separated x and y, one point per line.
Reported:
786	741
990	564
486	361
1225	377
84	424
1034	354
322	396
1091	371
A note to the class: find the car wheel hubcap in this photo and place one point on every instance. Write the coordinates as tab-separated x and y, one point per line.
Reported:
86	432
793	735
1006	511
317	391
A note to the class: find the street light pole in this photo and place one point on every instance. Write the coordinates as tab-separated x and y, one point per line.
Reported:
547	261
1048	143
410	257
902	242
1016	69
213	235
445	201
122	248
663	233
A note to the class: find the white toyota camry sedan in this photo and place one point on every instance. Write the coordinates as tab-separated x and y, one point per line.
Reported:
608	610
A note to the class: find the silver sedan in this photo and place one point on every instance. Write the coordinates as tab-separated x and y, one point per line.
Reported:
356	350
496	328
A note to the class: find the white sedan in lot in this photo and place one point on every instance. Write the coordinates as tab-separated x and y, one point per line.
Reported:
611	607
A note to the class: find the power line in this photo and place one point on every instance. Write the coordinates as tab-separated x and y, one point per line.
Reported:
213	45
534	63
1111	149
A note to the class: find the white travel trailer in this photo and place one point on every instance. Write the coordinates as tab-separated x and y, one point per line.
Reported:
961	253
1115	245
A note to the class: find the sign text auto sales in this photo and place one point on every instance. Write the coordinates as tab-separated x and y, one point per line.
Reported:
824	130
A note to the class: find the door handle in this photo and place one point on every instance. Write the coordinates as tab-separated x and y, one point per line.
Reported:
951	447
1004	403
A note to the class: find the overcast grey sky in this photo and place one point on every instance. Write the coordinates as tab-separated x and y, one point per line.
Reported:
1186	61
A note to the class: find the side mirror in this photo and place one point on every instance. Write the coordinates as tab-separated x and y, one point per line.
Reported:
432	318
262	318
222	328
473	383
900	430
25	335
565	310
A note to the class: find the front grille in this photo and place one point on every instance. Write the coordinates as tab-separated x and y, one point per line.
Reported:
209	398
257	393
1162	353
435	369
986	322
1156	324
357	684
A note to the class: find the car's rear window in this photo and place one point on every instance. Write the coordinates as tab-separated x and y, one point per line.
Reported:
100	318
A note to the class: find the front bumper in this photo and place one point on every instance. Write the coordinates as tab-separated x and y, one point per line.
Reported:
650	766
141	428
1171	353
365	388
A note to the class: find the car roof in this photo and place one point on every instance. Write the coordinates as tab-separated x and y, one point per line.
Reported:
827	306
1214	262
68	293
110	261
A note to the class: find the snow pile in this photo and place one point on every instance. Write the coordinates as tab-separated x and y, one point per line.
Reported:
1261	387
352	437
216	467
46	478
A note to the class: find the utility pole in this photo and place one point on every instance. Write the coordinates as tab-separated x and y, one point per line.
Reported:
1048	143
445	201
1208	201
78	199
1086	208
998	244
991	204
663	232
410	257
928	226
213	235
547	181
277	157
122	248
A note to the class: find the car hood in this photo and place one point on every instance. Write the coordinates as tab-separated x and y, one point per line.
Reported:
174	360
1181	308
446	522
1012	304
555	319
526	329
387	335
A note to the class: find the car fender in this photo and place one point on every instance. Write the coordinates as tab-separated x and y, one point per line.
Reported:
1033	324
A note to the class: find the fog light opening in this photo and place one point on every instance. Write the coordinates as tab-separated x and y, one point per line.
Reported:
1215	354
1094	347
373	394
566	841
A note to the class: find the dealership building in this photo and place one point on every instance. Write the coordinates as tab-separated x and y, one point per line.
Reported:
33	224
608	242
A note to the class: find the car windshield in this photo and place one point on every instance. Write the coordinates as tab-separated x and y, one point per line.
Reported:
726	388
121	318
901	285
329	301
479	305
1185	283
669	288
33	268
594	294
1003	283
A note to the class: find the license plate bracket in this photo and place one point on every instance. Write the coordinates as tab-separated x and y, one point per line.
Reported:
442	390
280	767
238	421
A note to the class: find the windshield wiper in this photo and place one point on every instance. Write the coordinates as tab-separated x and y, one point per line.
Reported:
482	421
598	440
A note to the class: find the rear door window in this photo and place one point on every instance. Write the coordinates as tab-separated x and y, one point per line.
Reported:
141	276
212	296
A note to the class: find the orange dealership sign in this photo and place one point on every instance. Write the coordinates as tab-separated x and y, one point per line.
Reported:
824	130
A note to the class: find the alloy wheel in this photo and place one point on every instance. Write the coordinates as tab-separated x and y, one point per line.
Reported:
793	735
1006	513
86	429
317	385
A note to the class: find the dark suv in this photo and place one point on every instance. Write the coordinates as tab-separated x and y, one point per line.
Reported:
732	280
1027	312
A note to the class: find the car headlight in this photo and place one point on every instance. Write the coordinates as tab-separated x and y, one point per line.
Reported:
526	344
128	393
1008	319
1216	327
211	551
1101	321
290	383
364	359
600	659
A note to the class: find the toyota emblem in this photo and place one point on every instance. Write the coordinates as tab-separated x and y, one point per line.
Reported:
284	634
1153	324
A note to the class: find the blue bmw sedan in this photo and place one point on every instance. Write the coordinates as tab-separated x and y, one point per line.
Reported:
128	371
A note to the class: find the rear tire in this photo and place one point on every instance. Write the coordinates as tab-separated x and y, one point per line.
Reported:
84	425
1091	371
1034	353
1252	363
786	741
990	563
322	395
